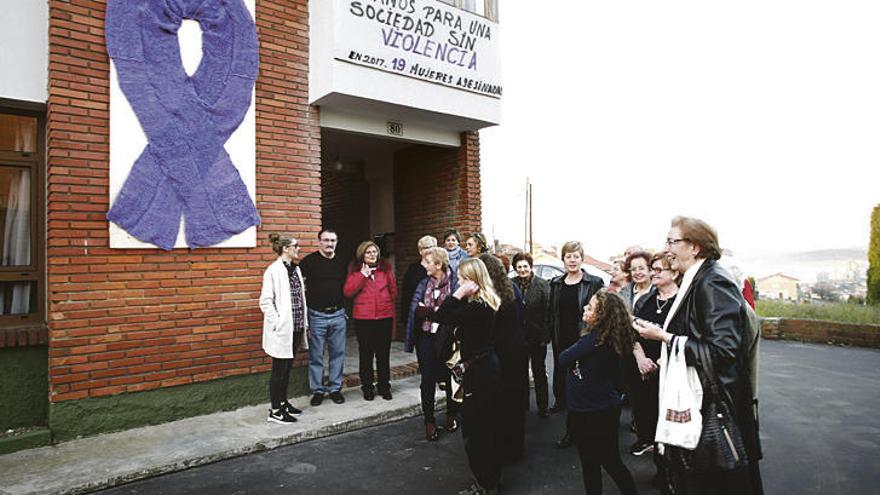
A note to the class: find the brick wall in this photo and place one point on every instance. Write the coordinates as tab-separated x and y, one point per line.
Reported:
131	320
345	206
434	189
821	332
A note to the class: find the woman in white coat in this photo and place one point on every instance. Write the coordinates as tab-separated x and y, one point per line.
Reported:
283	302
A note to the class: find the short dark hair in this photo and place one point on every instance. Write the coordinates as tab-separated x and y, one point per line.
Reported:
627	264
523	257
327	230
450	232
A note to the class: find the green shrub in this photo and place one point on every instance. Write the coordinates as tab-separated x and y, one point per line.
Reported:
841	312
874	259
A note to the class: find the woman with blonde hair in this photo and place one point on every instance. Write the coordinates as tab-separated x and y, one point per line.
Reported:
370	282
569	293
283	303
421	334
472	310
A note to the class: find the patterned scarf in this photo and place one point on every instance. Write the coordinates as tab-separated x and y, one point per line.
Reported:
435	293
296	300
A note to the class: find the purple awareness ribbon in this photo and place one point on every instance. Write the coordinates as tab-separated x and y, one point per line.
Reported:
184	169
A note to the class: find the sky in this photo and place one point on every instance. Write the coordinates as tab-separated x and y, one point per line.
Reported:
760	117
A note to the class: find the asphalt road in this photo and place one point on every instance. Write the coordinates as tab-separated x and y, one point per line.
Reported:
819	420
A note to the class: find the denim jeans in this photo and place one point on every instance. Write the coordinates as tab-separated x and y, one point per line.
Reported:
329	328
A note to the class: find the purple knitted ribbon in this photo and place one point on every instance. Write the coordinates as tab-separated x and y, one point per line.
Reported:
184	169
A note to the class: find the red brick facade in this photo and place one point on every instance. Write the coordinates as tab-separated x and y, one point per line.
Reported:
435	189
139	319
130	320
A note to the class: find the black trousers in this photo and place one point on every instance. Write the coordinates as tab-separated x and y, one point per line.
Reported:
559	373
595	435
537	357
644	401
374	341
512	404
432	371
480	420
280	377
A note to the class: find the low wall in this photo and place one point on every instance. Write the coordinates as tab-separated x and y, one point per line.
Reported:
821	332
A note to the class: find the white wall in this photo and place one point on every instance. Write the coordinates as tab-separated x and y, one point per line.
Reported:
24	50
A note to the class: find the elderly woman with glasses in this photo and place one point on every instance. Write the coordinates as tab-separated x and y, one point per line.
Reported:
710	311
636	266
644	387
370	283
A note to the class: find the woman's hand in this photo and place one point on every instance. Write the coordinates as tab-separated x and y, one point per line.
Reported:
651	331
365	270
647	367
465	289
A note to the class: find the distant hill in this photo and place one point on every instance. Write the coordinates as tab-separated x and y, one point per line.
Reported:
830	255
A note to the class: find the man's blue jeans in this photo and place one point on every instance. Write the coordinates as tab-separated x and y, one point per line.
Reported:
329	328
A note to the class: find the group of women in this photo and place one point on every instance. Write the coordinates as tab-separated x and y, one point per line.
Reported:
499	325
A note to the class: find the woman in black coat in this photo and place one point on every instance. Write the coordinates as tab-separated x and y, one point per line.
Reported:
710	311
472	309
510	346
536	298
569	293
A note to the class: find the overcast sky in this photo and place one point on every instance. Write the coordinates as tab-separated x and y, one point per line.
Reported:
761	117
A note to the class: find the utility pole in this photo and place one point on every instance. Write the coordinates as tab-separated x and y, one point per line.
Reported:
526	220
528	244
531	239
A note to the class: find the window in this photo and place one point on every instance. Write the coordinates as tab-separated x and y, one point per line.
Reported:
22	281
485	8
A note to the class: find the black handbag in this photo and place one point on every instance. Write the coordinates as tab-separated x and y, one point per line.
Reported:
721	447
443	341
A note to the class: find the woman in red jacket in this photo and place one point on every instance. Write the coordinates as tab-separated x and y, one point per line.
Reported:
371	283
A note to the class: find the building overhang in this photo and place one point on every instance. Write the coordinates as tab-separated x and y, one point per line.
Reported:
363	63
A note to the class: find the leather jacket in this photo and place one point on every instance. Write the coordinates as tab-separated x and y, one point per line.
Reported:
537	300
589	285
713	312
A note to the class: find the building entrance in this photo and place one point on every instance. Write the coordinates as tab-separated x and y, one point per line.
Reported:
394	192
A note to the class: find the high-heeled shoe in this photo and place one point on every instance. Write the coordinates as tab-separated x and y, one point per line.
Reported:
451	424
431	433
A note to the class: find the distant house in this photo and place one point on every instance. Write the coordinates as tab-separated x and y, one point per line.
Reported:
779	286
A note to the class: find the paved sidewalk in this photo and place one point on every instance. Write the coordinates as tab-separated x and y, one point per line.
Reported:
88	464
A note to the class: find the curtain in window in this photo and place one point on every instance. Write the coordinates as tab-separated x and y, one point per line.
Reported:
17	241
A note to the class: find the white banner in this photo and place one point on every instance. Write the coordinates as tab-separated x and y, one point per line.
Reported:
423	39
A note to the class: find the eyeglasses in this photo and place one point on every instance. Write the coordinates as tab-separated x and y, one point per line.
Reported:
659	270
672	242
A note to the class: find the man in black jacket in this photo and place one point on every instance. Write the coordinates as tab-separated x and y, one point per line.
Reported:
569	293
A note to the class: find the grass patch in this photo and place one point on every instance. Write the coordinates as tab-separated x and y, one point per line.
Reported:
840	312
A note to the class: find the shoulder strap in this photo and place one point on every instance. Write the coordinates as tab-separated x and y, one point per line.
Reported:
718	391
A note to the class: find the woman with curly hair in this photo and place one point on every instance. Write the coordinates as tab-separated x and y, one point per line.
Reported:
592	373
